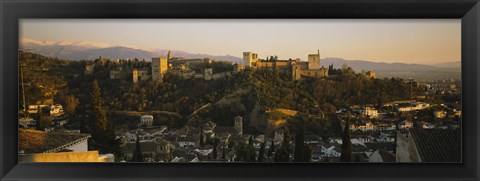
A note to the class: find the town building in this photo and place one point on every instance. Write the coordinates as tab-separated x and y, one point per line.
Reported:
27	122
413	106
238	125
278	136
56	110
33	141
371	112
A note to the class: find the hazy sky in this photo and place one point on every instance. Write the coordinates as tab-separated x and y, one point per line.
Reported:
406	41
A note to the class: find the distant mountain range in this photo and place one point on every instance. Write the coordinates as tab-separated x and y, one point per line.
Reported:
89	51
359	65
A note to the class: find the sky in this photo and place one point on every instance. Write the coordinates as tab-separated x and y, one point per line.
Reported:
424	41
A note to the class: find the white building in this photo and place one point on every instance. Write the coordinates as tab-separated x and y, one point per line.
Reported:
56	110
370	112
440	114
146	120
414	107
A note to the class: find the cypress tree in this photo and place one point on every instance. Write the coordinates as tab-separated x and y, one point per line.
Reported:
346	143
208	141
214	154
307	154
283	153
271	149
101	129
99	114
224	152
202	144
137	153
250	141
261	153
299	145
286	144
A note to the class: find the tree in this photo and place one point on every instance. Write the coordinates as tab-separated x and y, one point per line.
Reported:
250	141
344	67
137	153
208	140
43	119
299	145
346	143
283	153
261	153
202	143
245	152
357	158
214	152
71	103
101	130
98	113
307	153
224	152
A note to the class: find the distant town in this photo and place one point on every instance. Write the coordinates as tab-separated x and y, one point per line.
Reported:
174	109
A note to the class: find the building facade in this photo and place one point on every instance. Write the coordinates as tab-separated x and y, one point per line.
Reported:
249	59
159	68
314	61
238	125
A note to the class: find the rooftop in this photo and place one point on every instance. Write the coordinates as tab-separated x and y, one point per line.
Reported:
33	141
438	145
225	130
386	156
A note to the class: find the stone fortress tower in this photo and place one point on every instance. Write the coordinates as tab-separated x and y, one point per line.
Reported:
249	59
314	61
159	68
238	125
311	69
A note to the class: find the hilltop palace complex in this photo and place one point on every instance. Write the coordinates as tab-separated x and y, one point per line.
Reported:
195	68
297	68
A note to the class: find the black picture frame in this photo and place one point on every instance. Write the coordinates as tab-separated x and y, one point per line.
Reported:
466	10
